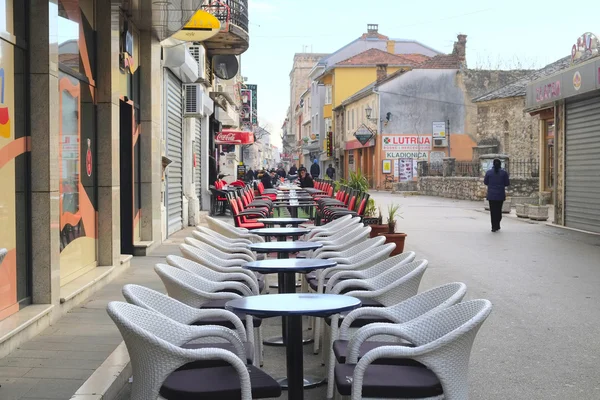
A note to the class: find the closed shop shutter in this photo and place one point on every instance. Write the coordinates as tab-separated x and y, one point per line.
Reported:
174	123
582	179
197	147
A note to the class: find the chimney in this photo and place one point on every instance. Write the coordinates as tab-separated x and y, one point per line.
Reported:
372	30
391	47
460	48
381	72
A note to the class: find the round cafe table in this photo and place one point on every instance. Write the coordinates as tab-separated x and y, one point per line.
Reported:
294	306
286	270
283	221
280	233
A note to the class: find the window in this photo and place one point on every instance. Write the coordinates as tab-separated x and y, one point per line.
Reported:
506	138
328	95
327	125
549	154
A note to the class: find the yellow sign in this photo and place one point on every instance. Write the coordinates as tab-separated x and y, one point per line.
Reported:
201	26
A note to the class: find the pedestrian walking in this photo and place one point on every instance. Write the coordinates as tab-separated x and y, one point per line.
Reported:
330	172
496	180
315	170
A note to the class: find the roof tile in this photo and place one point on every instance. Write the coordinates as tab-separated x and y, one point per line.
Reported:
376	56
442	61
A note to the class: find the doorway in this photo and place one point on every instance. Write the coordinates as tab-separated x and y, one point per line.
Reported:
126	175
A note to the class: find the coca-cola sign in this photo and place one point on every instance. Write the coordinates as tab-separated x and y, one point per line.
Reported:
234	137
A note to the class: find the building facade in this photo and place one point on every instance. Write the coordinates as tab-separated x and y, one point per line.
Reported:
98	153
568	103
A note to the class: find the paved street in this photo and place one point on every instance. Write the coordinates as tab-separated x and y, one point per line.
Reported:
540	341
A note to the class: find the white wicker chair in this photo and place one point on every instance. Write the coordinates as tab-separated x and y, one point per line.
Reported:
333	226
346	250
443	340
223	246
370	272
154	345
362	260
341	240
158	302
231	231
235	242
197	292
211	274
235	253
411	308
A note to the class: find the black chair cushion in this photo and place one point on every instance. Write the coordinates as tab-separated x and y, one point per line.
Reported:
220	383
359	322
216	363
340	349
390	381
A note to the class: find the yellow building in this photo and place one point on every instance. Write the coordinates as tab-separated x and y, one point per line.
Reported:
347	77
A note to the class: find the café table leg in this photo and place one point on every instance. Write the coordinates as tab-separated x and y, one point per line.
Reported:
295	361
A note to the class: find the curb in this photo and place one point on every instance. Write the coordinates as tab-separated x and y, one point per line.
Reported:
108	380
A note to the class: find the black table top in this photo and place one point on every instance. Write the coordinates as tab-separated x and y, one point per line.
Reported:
289	265
311	304
280	231
277	221
300	204
284	247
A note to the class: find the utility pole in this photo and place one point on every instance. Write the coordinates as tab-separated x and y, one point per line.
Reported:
448	134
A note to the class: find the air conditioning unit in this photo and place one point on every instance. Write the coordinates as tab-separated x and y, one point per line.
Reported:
440	142
199	55
193	100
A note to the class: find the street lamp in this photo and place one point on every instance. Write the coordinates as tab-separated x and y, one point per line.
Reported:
368	111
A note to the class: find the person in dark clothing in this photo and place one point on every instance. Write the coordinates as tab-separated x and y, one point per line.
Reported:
496	180
249	175
305	179
315	170
330	172
267	180
212	170
274	177
293	170
281	172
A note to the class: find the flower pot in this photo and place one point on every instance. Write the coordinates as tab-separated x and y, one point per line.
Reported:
486	204
538	213
522	210
377	229
506	206
396	238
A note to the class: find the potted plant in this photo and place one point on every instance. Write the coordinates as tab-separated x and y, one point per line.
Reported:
391	236
538	212
376	224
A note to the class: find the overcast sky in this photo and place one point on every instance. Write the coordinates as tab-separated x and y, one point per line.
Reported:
513	33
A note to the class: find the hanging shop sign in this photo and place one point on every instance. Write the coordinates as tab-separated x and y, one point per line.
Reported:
407	142
200	27
232	137
363	134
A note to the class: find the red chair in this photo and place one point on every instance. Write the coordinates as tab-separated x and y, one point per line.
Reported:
241	218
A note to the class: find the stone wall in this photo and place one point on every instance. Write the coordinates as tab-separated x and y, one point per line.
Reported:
468	188
515	130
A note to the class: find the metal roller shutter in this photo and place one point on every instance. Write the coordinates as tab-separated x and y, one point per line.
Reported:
197	147
174	152
582	165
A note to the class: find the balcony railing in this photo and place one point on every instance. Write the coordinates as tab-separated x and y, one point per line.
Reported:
230	12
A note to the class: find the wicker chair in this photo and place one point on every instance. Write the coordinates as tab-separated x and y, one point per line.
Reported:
442	342
333	226
158	302
341	240
231	231
362	260
233	241
161	366
222	245
197	292
411	308
236	252
212	275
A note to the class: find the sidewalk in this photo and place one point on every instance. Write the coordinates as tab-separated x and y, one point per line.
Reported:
54	364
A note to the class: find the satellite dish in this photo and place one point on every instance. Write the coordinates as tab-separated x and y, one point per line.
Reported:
225	66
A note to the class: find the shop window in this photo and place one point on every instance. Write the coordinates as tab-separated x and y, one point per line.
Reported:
549	154
77	139
14	165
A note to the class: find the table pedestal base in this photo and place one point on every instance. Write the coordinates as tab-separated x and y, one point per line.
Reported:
309	382
278	341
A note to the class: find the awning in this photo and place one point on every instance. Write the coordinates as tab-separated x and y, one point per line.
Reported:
229	136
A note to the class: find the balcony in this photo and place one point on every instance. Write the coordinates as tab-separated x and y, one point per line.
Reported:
233	37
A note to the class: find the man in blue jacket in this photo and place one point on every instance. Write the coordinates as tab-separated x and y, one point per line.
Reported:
496	179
